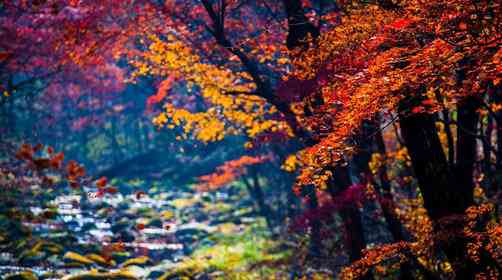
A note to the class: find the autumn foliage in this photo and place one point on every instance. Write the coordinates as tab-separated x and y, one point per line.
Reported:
229	172
385	112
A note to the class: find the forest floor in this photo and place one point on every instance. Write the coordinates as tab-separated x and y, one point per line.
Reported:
154	235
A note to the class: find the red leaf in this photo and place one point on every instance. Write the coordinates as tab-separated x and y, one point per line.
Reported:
101	182
111	190
100	193
417	110
400	24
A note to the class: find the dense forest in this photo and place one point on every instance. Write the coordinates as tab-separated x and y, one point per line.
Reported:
237	139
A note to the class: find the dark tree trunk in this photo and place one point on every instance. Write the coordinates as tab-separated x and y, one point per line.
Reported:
315	224
429	162
371	134
497	97
467	123
487	147
388	205
446	121
446	192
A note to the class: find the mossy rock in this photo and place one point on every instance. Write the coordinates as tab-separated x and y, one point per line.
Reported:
182	275
137	261
49	247
25	275
155	274
167	214
155	223
94	275
51	275
120	225
120	257
31	257
74	265
100	260
75	257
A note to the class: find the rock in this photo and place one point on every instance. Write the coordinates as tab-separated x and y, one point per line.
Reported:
120	225
25	275
155	223
31	257
51	275
100	260
155	274
49	247
88	226
73	265
136	261
71	257
167	214
94	275
120	257
123	236
137	271
55	261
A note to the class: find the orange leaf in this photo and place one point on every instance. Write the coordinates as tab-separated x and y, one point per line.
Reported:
57	160
25	152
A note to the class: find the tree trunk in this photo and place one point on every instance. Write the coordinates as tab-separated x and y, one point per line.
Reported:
446	192
429	162
467	123
315	243
497	97
371	134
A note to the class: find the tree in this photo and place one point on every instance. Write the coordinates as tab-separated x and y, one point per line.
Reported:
409	58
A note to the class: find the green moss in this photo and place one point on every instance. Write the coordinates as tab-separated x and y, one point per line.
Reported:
136	261
75	257
25	275
234	256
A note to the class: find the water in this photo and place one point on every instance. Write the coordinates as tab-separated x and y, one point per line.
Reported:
83	221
